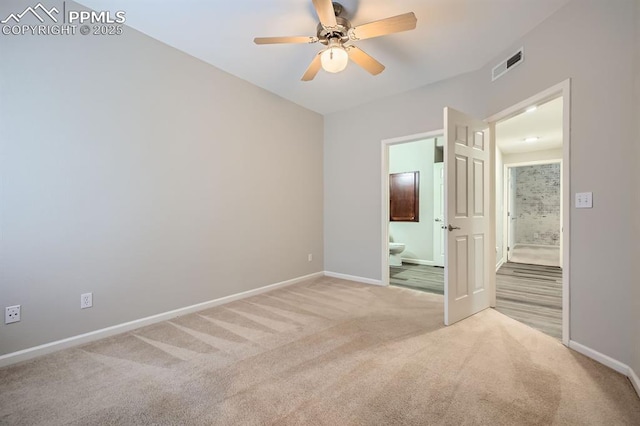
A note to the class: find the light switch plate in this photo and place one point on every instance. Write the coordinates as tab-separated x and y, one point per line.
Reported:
584	200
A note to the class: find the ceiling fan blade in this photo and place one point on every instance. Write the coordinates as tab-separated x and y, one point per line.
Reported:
324	9
395	24
278	40
313	69
366	61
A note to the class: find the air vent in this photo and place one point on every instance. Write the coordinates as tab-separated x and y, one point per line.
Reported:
504	66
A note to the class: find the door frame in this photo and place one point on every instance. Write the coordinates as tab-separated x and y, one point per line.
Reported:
439	234
384	147
508	207
561	89
505	219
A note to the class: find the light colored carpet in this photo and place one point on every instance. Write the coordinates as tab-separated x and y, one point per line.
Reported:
323	352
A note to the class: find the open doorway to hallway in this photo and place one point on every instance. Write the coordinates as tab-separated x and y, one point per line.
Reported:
529	216
534	219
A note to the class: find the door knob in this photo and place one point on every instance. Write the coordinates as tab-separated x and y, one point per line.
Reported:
451	228
438	219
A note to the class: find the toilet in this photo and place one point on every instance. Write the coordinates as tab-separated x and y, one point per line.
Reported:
394	254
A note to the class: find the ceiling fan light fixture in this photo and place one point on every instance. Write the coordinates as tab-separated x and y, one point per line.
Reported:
334	29
334	58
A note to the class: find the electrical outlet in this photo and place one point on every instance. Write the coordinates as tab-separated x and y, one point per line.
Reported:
86	300
11	314
310	257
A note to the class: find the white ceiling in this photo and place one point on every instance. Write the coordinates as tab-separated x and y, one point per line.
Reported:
545	123
452	37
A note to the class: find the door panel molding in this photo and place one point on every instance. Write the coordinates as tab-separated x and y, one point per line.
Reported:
467	160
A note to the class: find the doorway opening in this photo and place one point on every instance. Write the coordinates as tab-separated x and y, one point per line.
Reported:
414	213
534	213
530	205
468	259
472	194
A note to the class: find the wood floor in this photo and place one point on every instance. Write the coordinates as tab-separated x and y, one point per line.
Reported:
419	277
531	294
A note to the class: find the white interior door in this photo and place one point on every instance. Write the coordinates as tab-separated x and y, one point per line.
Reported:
438	214
467	194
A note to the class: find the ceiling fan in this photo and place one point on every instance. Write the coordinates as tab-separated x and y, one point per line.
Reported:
335	32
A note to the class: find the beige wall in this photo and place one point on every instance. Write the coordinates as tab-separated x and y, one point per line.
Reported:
635	329
156	181
352	155
588	41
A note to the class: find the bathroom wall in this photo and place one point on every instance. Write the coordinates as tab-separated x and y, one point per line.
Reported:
538	204
417	236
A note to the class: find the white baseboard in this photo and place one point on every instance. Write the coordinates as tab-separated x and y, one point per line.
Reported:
47	348
635	381
600	357
418	261
609	362
353	278
500	263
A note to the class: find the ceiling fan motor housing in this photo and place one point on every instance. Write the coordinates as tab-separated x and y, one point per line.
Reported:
340	31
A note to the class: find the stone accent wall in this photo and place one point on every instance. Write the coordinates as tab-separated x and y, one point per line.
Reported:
538	204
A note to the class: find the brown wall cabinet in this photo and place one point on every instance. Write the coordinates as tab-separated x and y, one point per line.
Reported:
404	196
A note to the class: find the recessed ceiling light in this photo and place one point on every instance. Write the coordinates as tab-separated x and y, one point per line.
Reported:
531	108
532	139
